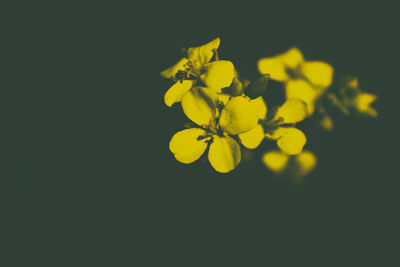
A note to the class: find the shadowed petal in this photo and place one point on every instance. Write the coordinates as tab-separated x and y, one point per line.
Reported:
199	105
224	154
176	92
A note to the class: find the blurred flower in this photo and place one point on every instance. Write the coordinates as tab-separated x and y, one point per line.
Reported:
304	80
349	97
214	128
197	67
280	128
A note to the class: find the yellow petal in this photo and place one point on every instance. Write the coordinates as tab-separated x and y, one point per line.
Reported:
276	161
238	116
253	138
203	53
171	71
306	162
186	147
363	103
223	98
292	58
326	123
318	73
292	111
289	139
176	92
300	89
224	154
219	74
274	66
260	106
199	105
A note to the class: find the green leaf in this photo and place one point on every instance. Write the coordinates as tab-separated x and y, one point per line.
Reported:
235	89
257	87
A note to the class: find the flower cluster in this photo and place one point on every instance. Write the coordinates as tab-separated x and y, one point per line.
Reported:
229	113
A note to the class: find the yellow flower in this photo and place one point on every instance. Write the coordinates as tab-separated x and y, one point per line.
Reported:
349	97
280	128
362	104
197	67
215	128
298	166
304	80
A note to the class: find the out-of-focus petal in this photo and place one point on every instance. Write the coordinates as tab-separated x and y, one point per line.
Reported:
292	111
326	123
185	145
203	53
275	67
276	161
292	58
219	74
199	105
171	71
253	138
363	103
176	92
224	154
260	106
238	116
291	140
300	89
318	73
306	162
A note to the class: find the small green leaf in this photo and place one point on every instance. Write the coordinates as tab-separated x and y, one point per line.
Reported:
235	89
257	87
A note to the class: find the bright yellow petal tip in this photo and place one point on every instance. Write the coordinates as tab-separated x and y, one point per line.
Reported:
219	74
290	140
275	67
224	154
253	138
292	58
276	161
318	73
300	89
204	53
186	147
363	103
176	92
292	111
260	106
306	162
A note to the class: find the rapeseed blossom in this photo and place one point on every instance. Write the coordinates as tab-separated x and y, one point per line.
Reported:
215	128
230	112
196	67
280	128
304	80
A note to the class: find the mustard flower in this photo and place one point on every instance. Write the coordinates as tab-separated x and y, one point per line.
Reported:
280	128
350	98
215	128
197	67
304	80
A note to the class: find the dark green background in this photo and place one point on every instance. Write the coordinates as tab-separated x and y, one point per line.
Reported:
88	167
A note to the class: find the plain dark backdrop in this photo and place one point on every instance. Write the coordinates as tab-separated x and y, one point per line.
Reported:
88	166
